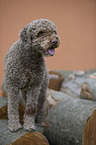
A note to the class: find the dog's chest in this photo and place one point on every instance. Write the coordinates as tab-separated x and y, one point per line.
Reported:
35	71
34	66
32	69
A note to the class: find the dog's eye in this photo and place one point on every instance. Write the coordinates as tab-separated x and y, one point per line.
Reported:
40	33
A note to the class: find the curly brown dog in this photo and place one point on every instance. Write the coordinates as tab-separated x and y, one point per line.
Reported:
25	71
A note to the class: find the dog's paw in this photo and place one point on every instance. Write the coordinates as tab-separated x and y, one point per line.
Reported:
14	126
29	123
29	127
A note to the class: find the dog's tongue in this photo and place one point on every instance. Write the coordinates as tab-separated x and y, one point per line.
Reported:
51	51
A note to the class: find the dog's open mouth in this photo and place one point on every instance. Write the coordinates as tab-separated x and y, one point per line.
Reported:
51	51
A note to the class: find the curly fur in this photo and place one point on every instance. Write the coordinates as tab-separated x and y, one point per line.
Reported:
25	71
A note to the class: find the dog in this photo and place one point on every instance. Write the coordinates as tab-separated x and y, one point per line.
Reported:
25	71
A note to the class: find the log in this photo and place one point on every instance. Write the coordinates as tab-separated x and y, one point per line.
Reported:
67	120
55	80
32	138
89	134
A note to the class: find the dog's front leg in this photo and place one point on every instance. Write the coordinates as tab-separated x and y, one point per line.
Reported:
13	114
41	112
31	108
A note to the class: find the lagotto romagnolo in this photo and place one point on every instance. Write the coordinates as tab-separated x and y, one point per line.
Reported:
25	71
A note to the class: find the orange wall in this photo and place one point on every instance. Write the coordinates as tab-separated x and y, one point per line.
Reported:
75	21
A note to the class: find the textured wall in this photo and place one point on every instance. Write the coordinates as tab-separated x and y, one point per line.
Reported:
75	21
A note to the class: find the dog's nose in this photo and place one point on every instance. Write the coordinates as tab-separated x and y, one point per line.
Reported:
54	41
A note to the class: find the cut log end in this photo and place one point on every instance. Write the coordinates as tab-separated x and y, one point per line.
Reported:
32	138
89	134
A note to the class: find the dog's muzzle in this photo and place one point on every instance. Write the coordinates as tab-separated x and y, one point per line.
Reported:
54	44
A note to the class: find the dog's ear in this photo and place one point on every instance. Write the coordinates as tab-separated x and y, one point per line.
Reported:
23	34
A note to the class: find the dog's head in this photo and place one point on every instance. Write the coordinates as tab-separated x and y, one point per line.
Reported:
41	35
